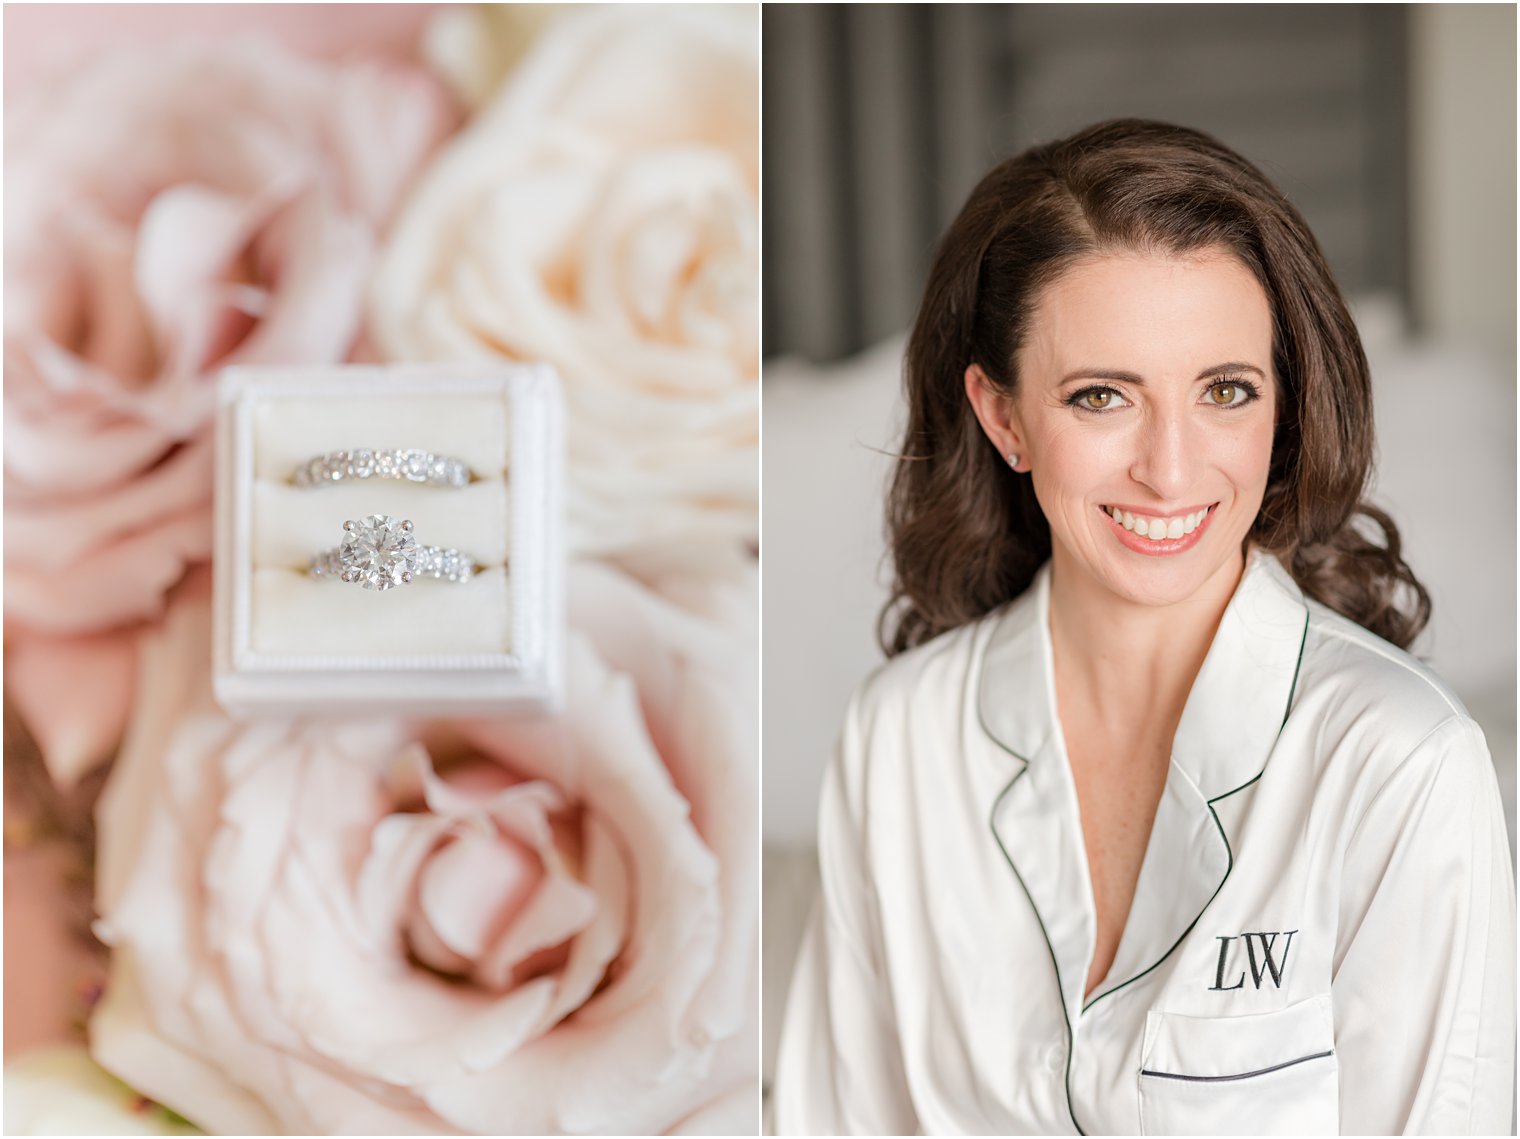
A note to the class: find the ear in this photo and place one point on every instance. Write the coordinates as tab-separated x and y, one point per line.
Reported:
995	412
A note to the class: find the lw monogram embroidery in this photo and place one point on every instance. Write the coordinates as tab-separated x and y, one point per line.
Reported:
1266	966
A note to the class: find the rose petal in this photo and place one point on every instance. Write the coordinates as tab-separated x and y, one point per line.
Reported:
52	538
123	580
517	799
47	676
597	945
315	312
475	886
653	224
735	1113
60	444
408	109
718	791
399	845
188	240
560	909
113	338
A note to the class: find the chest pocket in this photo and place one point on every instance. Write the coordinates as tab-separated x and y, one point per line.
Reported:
1269	1073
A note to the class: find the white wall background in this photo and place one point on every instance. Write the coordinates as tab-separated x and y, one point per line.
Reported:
1462	119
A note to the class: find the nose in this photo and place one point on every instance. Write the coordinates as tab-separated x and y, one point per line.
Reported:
1168	454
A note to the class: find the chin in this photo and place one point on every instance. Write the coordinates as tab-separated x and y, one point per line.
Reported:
1162	586
1155	577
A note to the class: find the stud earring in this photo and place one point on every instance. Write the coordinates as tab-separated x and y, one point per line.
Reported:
1013	460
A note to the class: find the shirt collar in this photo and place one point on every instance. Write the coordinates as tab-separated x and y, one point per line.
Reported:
1229	726
1238	702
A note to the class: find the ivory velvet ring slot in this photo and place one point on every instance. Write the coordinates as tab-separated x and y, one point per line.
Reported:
408	465
381	552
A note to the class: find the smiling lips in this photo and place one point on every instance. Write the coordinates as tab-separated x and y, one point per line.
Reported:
1150	534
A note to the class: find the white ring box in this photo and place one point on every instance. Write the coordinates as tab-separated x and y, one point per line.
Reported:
287	642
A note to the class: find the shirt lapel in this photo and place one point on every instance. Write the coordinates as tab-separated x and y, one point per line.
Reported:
1240	700
1229	725
1035	809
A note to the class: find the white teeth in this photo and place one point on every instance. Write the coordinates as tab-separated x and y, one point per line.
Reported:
1159	529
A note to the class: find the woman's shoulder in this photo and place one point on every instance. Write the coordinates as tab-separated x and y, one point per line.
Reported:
1381	703
1364	667
929	677
909	710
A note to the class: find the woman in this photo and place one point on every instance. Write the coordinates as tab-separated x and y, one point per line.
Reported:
1150	825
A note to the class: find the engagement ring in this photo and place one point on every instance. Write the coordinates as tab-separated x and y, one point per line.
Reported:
412	466
379	552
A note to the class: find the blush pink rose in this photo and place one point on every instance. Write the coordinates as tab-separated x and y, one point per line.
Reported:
536	926
74	694
166	213
42	40
169	211
601	212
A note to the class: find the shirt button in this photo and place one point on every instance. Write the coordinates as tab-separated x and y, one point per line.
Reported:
1055	1058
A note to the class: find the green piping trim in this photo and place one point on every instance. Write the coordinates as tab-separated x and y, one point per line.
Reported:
1071	1039
1242	1076
1071	1036
1229	852
1230	866
1292	688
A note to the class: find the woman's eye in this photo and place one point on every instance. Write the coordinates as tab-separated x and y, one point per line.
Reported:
1231	394
1096	399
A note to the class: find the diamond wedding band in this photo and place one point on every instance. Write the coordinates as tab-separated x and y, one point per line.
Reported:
380	552
408	465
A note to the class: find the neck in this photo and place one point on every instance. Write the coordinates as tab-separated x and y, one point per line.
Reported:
1125	664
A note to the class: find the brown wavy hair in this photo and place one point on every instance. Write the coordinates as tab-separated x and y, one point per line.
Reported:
967	535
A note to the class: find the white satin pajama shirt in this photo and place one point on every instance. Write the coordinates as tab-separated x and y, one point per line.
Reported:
1322	937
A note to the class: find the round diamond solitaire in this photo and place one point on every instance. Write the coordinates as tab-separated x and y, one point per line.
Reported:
408	465
380	552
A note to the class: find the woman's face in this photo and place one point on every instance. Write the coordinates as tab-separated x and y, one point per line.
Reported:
1144	415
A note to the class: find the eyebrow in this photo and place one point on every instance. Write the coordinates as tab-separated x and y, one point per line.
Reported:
1131	378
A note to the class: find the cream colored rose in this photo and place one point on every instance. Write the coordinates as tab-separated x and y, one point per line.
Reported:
473	47
601	214
59	1090
499	926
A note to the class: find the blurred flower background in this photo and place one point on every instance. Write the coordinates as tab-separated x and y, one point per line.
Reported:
555	922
